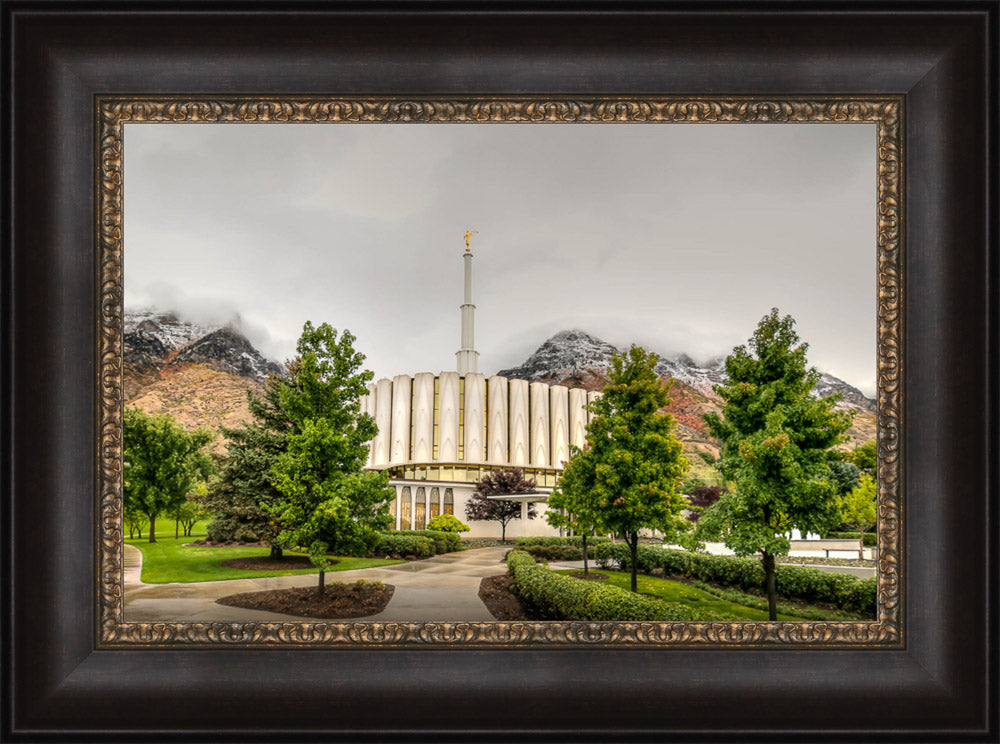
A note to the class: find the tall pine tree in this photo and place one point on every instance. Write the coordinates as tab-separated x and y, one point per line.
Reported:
238	499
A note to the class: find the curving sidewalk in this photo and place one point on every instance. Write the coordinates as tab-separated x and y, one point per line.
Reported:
440	589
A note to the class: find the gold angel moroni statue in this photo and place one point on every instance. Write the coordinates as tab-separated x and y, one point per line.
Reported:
468	237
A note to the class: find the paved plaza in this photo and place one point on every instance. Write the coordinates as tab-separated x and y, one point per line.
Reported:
442	588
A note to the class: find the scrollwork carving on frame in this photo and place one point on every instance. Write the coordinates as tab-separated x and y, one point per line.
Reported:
885	112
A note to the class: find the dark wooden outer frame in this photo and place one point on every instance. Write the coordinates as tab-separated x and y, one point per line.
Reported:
941	686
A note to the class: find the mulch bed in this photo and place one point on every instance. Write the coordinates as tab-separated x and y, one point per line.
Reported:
498	596
591	576
267	563
337	602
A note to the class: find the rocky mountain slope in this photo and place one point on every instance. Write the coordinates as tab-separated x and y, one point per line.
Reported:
578	359
198	374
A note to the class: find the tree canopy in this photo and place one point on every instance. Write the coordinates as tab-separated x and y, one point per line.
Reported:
859	508
864	457
162	463
325	501
570	505
776	448
845	476
305	433
239	497
631	469
499	483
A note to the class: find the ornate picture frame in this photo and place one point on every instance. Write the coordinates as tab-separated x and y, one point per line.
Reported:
886	113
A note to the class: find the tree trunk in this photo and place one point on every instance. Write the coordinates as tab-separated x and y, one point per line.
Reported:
772	595
322	583
503	532
633	546
276	553
584	536
861	546
177	527
152	528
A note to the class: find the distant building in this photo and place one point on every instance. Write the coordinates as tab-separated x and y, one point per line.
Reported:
440	434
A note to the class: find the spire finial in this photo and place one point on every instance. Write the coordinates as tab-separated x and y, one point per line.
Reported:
468	237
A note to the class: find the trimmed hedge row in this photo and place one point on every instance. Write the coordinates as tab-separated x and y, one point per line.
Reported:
871	539
794	582
559	548
552	596
576	541
557	552
419	543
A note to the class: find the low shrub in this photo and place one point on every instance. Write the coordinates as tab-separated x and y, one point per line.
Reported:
559	548
557	552
552	596
400	545
419	543
447	523
871	539
576	540
444	542
793	582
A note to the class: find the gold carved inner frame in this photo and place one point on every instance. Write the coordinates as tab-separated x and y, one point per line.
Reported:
885	112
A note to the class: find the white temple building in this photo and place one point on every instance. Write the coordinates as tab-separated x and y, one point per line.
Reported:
439	434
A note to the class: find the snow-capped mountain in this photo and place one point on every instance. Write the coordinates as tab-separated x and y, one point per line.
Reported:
196	373
162	341
576	356
167	328
227	350
851	397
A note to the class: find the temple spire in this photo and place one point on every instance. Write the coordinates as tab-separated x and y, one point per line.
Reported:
468	357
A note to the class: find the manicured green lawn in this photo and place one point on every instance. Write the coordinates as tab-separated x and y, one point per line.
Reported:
165	528
674	591
168	560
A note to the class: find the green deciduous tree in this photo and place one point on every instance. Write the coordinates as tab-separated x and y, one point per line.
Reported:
859	509
864	457
325	501
162	463
135	522
570	505
776	448
633	465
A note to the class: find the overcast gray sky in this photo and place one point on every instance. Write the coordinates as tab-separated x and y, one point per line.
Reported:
678	237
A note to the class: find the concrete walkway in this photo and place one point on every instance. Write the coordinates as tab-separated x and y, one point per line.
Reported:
442	588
